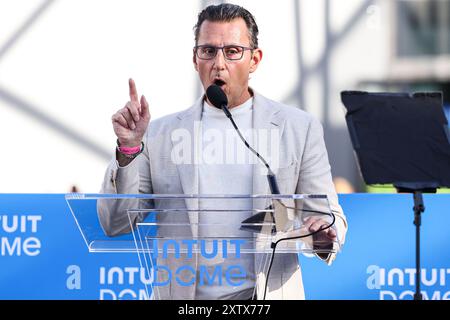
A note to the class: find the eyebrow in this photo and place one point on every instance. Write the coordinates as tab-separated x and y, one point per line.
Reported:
231	44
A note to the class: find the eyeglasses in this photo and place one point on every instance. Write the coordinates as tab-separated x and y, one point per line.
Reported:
231	52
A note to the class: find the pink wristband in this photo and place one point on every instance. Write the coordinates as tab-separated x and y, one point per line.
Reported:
130	150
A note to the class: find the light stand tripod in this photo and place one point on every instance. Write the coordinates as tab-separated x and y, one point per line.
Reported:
418	209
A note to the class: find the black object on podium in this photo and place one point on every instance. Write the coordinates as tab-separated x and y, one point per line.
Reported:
401	139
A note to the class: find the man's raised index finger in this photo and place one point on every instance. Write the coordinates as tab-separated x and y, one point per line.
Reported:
133	91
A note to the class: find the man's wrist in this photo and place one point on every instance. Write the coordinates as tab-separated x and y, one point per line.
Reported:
130	152
124	155
122	160
128	144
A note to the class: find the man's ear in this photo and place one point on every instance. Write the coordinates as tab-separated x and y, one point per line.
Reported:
194	60
256	59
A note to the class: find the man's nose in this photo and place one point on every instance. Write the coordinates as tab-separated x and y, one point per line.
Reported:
219	60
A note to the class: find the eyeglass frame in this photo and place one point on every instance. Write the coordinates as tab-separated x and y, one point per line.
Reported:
244	48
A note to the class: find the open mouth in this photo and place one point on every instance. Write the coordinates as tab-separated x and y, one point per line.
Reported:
219	82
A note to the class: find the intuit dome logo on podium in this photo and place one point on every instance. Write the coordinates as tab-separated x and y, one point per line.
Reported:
18	235
399	283
220	263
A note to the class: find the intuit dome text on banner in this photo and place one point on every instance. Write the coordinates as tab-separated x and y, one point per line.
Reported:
18	235
398	283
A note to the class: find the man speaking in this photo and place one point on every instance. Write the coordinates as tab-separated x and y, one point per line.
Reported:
226	52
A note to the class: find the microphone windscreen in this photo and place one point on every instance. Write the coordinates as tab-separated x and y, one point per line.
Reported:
216	96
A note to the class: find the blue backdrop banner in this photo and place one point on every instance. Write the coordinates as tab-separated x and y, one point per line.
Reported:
44	256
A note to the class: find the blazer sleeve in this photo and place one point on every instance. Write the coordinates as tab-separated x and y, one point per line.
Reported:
135	178
315	178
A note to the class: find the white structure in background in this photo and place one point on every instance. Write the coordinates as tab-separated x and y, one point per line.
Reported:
64	67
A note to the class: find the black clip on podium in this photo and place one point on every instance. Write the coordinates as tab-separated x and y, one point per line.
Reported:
401	139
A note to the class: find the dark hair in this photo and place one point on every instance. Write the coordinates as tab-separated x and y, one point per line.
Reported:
226	12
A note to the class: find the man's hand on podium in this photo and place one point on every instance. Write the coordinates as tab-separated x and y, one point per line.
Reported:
323	239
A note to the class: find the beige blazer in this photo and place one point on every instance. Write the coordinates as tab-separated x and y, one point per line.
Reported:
303	168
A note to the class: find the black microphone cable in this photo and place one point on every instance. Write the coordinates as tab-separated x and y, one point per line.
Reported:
274	244
218	98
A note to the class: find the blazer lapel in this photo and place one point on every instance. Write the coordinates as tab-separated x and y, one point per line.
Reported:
268	126
188	172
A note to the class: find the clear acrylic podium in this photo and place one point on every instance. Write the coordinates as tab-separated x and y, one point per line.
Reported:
193	242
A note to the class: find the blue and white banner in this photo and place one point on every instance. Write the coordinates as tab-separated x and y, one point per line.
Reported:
377	261
43	254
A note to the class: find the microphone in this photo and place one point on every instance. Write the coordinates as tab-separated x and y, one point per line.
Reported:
219	100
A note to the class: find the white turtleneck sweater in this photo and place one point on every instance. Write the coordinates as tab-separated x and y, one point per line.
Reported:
226	169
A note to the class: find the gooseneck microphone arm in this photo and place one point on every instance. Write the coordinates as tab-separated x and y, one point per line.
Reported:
270	175
218	98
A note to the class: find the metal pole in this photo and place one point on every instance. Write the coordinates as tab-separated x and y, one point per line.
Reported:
418	209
